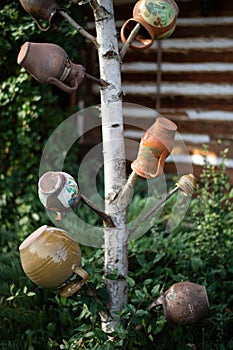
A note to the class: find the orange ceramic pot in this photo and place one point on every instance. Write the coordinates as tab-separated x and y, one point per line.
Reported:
184	303
155	146
50	257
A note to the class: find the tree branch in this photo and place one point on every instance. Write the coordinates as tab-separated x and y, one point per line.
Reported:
130	40
186	184
81	30
106	218
100	82
123	196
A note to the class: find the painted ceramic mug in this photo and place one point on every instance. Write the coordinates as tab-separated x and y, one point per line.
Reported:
155	146
41	9
184	303
157	19
50	257
58	191
49	63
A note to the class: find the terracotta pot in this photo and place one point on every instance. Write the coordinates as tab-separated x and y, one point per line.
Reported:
50	257
49	63
58	191
155	146
157	19
41	9
184	303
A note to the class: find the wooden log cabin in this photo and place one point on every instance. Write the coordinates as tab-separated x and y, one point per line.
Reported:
187	78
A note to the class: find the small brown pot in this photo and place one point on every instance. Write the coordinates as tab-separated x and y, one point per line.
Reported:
49	63
184	303
41	9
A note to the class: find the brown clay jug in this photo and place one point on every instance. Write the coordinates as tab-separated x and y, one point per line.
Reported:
41	9
183	303
49	63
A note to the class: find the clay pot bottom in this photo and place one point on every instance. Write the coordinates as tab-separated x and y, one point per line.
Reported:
51	182
32	237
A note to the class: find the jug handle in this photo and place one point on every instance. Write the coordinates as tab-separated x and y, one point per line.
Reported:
146	43
159	301
40	27
49	21
161	162
63	86
73	287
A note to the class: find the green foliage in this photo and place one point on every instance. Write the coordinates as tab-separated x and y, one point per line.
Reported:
198	251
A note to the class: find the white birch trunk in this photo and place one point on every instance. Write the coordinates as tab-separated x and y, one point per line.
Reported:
114	160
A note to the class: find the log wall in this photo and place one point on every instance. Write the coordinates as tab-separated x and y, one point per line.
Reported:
187	78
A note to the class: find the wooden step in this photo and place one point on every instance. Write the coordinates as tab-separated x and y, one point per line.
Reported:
204	27
188	72
185	50
180	95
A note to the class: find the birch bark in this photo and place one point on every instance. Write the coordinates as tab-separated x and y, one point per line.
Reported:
114	159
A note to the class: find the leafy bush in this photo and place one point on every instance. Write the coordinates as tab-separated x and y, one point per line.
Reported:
198	251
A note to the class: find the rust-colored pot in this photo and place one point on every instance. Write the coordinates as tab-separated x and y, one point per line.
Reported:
49	63
155	146
41	9
184	303
50	257
157	19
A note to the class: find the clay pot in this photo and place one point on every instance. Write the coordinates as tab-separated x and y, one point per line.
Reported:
58	191
50	257
155	146
157	19
41	9
187	183
49	63
184	303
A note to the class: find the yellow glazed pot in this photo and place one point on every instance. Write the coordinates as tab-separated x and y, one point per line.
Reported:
50	257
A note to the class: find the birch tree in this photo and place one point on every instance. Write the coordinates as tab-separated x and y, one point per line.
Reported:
114	158
117	189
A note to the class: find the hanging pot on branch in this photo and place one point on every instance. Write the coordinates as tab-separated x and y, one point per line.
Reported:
157	20
155	146
49	63
41	9
59	192
50	257
183	303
